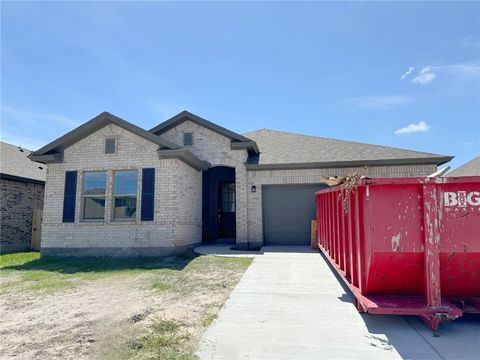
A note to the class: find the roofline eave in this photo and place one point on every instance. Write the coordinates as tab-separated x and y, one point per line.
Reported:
186	115
184	155
247	145
96	124
351	163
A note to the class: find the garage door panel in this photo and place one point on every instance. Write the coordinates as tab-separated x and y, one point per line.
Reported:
287	213
278	237
291	237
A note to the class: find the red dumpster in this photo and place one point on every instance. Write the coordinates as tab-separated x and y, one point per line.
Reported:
407	246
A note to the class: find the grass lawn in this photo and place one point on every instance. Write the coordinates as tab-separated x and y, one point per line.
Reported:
124	308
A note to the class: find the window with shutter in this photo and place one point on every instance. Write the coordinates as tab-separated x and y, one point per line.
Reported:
148	194
187	139
125	194
69	196
110	145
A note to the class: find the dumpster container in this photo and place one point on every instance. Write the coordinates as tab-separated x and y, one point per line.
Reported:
407	246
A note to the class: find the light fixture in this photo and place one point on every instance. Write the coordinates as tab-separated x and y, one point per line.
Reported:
254	188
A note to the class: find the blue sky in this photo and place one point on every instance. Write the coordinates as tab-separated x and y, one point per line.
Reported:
397	74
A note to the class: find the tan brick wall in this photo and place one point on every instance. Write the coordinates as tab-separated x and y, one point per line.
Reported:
175	185
215	148
311	176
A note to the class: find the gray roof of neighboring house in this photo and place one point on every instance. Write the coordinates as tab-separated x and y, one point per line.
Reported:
283	149
471	168
16	165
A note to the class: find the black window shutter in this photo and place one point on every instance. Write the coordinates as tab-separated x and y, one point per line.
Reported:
69	196
148	194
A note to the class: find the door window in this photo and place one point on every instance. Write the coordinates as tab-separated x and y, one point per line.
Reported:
228	197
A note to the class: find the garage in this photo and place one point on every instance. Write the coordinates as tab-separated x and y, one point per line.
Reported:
287	213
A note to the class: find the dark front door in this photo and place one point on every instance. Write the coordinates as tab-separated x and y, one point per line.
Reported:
226	210
218	204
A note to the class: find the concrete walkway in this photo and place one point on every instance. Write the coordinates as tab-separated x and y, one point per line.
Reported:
226	250
290	305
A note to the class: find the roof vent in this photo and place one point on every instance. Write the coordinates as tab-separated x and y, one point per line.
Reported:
187	139
110	145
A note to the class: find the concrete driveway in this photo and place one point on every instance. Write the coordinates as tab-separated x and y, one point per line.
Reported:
290	305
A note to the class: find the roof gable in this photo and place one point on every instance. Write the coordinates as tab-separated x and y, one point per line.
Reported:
284	149
188	116
88	128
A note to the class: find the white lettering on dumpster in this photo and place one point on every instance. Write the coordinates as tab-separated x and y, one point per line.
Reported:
461	198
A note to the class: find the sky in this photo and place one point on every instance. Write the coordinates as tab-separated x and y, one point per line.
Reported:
400	74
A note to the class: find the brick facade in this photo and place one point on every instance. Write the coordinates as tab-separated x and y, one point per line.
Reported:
17	202
215	148
178	193
175	225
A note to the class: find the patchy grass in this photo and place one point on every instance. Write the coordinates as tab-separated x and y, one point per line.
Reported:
30	272
16	259
180	297
162	339
208	319
163	286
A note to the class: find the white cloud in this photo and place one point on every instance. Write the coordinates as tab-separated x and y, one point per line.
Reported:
468	69
425	76
408	72
422	126
377	102
468	42
27	116
24	142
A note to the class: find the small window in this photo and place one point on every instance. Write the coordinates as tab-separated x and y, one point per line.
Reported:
187	139
125	195
110	145
94	188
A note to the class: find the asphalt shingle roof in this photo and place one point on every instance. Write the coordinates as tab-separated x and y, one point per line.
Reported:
14	161
471	168
279	147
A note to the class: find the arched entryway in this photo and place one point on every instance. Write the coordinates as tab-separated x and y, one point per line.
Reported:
219	205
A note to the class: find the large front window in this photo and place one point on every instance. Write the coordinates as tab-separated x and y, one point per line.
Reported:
125	194
94	188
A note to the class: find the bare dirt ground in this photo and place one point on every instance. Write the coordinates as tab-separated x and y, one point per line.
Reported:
96	318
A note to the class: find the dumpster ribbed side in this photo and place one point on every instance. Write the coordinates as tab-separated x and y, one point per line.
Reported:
406	246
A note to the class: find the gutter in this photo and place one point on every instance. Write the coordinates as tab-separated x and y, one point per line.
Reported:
247	145
184	155
352	163
46	158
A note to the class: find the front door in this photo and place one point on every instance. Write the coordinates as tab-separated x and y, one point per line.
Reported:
218	205
226	210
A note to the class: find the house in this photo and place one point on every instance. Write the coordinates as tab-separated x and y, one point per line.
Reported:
116	189
22	186
471	168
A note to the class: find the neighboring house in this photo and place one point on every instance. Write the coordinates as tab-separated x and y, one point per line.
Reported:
471	168
22	187
116	189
